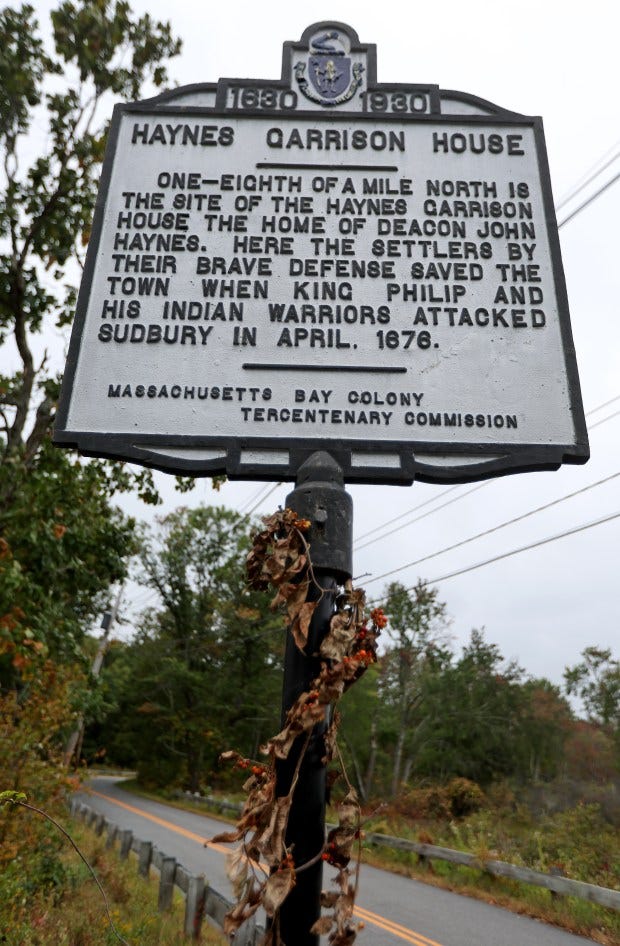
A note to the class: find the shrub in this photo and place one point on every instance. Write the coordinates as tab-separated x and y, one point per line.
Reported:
460	797
466	797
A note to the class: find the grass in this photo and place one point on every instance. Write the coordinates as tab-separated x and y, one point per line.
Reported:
68	910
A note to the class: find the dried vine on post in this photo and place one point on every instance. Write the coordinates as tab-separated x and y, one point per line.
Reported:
262	869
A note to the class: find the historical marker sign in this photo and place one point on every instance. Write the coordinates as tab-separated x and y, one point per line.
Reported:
324	262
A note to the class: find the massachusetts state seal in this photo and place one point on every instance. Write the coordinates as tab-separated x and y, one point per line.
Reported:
331	77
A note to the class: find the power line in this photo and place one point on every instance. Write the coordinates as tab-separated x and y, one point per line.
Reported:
590	199
495	528
502	525
591	168
588	180
400	515
606	404
463	495
523	548
144	599
261	489
262	500
604	420
423	516
533	545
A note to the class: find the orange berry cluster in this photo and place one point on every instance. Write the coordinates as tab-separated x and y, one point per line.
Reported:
287	863
311	700
302	524
366	657
329	854
258	770
377	616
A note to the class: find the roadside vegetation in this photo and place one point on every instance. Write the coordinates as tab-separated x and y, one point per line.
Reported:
60	904
528	827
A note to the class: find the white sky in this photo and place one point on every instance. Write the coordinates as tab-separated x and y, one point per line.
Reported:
559	61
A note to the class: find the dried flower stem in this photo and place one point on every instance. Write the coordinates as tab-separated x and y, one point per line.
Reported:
281	558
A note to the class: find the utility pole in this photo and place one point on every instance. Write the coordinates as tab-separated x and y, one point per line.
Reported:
74	743
319	496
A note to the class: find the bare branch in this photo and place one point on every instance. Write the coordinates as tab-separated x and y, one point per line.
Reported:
42	423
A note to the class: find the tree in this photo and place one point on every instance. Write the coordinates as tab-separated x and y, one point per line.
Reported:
46	209
30	753
478	710
417	630
596	681
361	713
547	725
204	673
63	543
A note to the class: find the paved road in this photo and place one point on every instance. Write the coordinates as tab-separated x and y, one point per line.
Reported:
396	910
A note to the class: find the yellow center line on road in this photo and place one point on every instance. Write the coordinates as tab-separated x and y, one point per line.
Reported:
366	916
402	932
163	823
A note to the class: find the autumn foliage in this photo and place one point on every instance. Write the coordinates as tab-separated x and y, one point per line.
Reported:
31	719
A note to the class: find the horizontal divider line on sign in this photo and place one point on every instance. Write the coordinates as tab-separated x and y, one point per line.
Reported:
354	369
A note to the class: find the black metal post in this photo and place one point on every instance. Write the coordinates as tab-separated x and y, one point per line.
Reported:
319	496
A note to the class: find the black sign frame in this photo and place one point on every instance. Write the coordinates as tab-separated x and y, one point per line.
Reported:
362	461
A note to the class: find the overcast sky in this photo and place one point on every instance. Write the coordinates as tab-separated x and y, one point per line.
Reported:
543	606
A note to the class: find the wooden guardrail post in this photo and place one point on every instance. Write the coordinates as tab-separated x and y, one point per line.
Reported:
556	871
111	837
100	824
126	837
145	854
167	871
195	906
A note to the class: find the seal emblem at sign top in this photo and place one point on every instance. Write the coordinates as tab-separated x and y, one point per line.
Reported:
329	77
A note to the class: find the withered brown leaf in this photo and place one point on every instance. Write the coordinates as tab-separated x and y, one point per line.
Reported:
277	888
300	624
323	925
271	841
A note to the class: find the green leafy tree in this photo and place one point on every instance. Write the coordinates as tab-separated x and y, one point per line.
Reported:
360	732
204	673
46	207
547	725
428	714
30	753
63	543
596	681
417	631
478	710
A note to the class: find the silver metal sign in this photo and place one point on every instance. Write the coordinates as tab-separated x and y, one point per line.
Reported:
324	262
